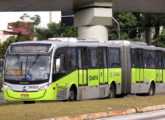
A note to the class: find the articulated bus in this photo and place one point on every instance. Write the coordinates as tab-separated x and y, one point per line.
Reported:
79	69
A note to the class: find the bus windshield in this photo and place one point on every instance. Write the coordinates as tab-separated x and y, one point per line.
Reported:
27	68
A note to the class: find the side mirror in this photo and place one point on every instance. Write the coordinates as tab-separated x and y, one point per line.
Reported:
58	65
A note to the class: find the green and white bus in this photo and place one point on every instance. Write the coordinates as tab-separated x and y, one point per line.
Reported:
78	69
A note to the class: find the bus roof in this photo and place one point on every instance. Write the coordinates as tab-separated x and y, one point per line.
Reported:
81	42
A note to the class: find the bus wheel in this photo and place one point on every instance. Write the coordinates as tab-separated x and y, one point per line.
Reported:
29	102
112	91
151	90
72	94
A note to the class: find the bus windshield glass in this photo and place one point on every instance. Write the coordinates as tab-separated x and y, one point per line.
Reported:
27	68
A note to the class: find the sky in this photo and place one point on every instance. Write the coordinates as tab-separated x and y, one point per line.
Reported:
7	17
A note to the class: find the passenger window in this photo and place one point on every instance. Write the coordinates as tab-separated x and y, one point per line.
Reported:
84	57
137	58
102	57
158	60
163	60
71	58
79	58
149	59
105	57
114	58
133	58
92	58
141	59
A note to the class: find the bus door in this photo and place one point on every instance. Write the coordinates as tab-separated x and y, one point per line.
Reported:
141	66
158	64
163	66
93	70
138	65
82	66
102	63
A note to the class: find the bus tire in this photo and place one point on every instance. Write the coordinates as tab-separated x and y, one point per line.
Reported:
112	93
151	90
29	102
72	94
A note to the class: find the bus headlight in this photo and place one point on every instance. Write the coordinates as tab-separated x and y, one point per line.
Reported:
45	87
7	87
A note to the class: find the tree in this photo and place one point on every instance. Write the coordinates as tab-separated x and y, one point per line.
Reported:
5	45
55	30
35	20
27	23
161	39
134	25
146	21
12	39
128	24
112	34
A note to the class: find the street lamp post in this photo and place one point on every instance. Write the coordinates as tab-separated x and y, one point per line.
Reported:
118	24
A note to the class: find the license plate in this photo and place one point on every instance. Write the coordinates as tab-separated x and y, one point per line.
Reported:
25	95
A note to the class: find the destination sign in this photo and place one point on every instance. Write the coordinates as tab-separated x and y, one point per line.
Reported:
30	48
8	72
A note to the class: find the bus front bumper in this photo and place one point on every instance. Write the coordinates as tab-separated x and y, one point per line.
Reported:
29	96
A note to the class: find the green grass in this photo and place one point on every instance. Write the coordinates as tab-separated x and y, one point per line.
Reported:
40	110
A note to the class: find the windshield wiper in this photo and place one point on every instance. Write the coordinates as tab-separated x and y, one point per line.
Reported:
33	63
19	61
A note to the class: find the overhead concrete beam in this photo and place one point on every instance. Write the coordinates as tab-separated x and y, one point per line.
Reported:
152	6
36	5
81	3
156	6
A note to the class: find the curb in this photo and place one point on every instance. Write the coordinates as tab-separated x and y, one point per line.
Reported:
110	113
150	108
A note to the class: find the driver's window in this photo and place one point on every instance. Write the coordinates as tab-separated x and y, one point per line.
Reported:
60	64
59	61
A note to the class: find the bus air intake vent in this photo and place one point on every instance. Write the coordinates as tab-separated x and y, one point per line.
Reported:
72	39
89	40
69	39
61	92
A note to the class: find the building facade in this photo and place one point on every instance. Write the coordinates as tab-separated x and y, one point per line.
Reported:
25	28
5	34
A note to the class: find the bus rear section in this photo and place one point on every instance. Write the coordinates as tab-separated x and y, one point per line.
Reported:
147	68
142	68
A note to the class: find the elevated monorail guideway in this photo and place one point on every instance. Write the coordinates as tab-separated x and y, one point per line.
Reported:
91	16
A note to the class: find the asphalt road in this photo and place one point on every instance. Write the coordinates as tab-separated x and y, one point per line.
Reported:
156	115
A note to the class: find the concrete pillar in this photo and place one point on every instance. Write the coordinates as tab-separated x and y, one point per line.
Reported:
92	20
99	32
